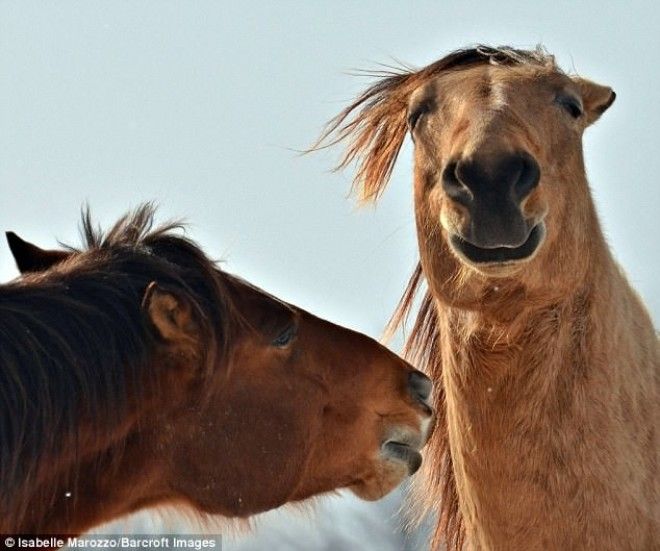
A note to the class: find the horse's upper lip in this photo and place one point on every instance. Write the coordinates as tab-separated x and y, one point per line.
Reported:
482	255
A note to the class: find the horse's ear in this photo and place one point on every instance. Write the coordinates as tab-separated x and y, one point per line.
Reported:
30	258
596	98
171	315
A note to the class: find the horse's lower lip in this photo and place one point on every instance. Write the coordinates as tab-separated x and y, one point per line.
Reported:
396	451
499	255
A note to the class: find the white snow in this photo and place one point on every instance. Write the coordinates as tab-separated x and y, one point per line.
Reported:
334	522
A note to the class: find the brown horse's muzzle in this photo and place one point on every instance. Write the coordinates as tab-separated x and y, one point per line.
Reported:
405	431
402	444
492	188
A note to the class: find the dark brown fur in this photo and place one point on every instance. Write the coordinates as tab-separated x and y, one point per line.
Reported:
135	373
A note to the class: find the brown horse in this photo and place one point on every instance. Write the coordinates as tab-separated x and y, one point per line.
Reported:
134	373
548	362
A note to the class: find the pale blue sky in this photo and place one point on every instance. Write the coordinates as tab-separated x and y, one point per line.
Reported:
198	105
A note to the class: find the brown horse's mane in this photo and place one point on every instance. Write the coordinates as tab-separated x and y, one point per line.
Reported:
374	127
76	343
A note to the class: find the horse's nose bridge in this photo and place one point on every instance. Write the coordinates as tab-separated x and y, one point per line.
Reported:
495	151
488	172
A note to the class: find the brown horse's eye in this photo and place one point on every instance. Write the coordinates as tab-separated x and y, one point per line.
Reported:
286	336
571	105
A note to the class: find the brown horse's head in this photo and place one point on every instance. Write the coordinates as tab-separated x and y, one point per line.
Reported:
335	408
500	190
287	406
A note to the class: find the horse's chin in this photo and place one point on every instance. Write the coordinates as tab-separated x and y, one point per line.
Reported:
375	488
397	462
499	261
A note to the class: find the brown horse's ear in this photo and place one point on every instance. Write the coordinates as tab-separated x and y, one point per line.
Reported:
596	98
30	258
171	315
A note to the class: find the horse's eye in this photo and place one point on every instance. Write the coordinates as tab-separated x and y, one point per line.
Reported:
571	105
286	336
413	118
416	113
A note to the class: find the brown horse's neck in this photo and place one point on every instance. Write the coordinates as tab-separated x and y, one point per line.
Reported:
534	405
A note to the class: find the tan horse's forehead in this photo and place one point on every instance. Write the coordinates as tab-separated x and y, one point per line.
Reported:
493	86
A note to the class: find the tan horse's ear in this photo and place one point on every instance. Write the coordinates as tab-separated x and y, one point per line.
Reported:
596	98
30	258
171	315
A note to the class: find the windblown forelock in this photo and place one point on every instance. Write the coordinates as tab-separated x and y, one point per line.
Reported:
136	235
374	126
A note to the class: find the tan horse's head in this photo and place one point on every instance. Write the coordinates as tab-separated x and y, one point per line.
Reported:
500	191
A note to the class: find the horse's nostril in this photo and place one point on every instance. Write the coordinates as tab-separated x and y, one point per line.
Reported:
484	176
530	174
420	386
454	186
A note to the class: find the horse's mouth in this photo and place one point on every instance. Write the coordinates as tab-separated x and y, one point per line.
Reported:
403	453
398	457
499	255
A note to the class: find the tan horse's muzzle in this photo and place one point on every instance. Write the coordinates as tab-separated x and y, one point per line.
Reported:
492	188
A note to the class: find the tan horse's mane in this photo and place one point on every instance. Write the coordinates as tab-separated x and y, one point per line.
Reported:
422	349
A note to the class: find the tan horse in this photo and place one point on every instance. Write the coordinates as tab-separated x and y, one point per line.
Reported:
135	374
550	405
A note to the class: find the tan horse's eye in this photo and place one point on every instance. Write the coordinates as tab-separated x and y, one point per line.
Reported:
413	118
571	105
286	336
416	113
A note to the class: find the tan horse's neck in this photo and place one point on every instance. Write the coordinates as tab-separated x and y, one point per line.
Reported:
552	419
550	400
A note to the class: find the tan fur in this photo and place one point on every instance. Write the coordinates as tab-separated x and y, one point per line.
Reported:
550	367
